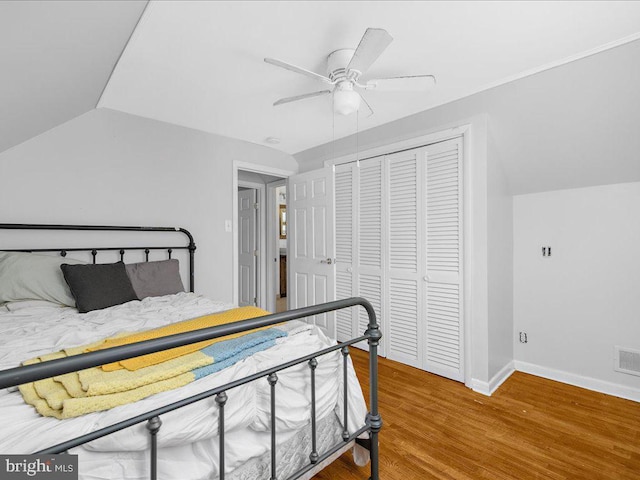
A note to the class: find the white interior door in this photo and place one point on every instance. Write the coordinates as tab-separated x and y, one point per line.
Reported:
247	247
311	253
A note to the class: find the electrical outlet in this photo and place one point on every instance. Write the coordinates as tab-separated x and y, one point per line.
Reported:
523	337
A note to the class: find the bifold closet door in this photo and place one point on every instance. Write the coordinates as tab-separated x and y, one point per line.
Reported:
370	226
405	256
443	317
359	216
398	244
345	219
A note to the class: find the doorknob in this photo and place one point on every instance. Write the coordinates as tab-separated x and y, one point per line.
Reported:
426	278
328	261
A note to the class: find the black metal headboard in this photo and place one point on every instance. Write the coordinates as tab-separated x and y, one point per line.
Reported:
191	246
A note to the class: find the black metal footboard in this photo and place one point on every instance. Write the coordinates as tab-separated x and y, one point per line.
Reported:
373	421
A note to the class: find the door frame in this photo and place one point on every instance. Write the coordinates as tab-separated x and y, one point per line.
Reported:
474	306
262	258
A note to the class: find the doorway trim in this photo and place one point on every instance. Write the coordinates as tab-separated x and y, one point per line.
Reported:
262	257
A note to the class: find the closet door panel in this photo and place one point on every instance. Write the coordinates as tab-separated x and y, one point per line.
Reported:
344	317
404	240
370	221
370	246
345	218
370	287
404	332
444	336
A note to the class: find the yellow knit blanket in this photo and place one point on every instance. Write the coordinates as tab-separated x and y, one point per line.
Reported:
132	364
100	388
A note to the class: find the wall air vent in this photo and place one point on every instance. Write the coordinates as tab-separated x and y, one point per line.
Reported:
627	360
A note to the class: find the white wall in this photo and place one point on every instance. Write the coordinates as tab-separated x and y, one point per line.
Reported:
500	266
568	127
108	167
584	299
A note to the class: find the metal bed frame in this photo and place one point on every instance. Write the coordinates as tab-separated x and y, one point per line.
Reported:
373	421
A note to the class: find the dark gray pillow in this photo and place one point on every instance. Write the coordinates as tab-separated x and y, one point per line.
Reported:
98	286
154	279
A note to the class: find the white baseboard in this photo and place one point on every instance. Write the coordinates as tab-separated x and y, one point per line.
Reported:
617	390
487	388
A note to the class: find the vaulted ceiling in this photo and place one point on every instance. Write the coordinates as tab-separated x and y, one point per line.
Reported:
200	64
55	60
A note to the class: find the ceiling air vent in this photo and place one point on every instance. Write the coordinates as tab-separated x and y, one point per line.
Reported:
627	360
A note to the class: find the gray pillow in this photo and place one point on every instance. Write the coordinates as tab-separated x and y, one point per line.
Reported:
28	276
98	286
154	279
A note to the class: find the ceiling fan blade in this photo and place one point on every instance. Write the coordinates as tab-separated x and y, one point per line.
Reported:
373	43
415	83
301	97
293	68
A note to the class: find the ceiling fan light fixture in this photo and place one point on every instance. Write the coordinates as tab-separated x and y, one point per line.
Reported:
345	99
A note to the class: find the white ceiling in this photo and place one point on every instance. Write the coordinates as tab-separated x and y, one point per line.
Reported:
200	64
55	60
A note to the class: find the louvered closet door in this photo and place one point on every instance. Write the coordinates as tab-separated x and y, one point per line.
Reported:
444	336
399	244
345	218
369	241
405	256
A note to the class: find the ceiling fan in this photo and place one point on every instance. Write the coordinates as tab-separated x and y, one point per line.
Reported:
344	69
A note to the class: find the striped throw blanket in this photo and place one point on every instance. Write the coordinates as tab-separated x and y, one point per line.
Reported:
99	388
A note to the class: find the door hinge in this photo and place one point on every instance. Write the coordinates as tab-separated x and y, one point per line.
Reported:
255	301
256	253
256	205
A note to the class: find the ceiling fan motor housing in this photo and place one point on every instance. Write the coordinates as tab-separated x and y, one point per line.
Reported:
337	63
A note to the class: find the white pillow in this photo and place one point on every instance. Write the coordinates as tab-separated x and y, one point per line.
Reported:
27	276
30	304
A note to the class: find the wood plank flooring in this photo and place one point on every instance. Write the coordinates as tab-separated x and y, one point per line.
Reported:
531	428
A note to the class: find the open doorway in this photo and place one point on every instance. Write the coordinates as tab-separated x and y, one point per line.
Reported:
260	244
279	189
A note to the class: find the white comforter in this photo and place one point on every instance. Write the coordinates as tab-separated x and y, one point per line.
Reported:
188	437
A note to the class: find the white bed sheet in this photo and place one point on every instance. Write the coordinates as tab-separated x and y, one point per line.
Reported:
188	437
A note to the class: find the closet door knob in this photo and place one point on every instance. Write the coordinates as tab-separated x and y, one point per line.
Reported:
328	261
349	269
426	278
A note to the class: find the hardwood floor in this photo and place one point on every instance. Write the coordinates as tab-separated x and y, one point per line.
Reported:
281	304
531	428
